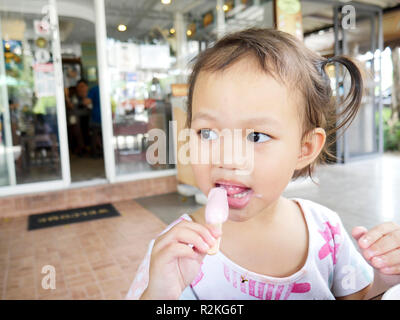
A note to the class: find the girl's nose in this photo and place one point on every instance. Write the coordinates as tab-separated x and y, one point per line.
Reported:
236	155
237	163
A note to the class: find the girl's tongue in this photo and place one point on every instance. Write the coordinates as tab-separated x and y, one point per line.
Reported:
238	196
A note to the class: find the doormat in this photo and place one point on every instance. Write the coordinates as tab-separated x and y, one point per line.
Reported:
57	218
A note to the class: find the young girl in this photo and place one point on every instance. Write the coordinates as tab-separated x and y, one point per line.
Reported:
271	247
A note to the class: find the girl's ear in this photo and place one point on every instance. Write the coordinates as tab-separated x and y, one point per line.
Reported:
311	147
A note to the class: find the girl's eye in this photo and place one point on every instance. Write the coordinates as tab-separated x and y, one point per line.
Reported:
208	134
258	137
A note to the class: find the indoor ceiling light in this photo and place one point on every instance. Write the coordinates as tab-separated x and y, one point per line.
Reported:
225	7
189	32
165	1
121	27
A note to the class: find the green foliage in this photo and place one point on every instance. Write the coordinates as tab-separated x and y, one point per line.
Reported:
391	132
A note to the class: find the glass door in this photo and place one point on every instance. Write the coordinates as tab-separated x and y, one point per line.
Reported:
33	138
358	33
139	77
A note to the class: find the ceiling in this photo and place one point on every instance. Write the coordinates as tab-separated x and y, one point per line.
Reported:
143	16
318	15
147	20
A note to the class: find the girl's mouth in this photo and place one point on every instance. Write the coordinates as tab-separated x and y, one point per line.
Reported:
238	194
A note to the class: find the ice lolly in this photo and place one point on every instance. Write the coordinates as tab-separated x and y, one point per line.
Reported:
217	211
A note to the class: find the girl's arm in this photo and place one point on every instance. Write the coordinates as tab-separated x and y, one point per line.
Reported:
360	295
381	283
141	280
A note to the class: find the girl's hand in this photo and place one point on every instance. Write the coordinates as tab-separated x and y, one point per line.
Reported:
173	263
380	246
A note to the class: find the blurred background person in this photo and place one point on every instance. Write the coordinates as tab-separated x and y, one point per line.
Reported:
76	143
96	146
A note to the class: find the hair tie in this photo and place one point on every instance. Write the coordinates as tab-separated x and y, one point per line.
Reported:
322	70
323	64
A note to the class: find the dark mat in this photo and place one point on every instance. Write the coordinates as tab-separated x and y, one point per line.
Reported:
57	218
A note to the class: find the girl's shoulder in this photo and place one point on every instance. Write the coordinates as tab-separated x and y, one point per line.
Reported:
318	213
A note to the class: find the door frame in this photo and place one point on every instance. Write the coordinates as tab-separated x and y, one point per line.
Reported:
65	181
8	146
375	15
104	86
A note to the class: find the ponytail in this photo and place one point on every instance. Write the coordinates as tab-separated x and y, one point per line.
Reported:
334	121
351	104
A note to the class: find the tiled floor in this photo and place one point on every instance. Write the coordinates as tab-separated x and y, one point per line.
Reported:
98	259
93	260
364	192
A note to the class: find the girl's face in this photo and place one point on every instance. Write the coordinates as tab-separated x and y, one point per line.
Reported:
243	97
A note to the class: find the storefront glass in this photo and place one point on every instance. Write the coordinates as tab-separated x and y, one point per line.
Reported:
364	131
140	74
29	138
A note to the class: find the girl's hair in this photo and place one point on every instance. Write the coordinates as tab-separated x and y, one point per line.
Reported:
290	62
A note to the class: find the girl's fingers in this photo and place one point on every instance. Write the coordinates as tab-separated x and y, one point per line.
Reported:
183	234
188	236
358	232
195	227
180	250
387	260
202	230
376	233
387	243
395	270
200	255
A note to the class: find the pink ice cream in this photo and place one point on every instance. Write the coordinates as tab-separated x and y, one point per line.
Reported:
217	209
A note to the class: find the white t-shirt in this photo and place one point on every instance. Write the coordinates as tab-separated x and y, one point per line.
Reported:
334	268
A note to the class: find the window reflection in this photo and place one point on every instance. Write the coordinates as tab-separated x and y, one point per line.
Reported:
140	78
28	98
